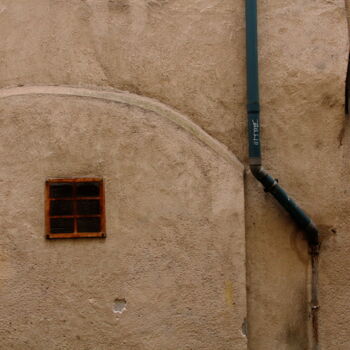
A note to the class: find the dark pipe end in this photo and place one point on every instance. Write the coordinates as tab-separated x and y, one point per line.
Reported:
313	235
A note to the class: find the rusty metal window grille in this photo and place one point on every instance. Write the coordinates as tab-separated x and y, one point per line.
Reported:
75	208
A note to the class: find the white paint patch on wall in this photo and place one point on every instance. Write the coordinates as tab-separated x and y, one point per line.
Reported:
119	306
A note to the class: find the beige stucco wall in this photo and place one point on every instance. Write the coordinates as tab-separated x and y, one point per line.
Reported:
190	55
175	246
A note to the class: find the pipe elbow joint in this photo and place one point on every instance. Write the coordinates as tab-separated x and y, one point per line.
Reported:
255	169
262	176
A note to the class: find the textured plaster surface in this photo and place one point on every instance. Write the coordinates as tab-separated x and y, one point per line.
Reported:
131	100
190	55
171	272
304	51
187	54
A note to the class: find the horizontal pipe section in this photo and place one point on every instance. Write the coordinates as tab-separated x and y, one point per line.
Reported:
300	217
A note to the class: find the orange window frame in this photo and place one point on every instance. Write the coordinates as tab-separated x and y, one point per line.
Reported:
74	215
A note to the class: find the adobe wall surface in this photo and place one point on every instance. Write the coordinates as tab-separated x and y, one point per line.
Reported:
175	246
190	55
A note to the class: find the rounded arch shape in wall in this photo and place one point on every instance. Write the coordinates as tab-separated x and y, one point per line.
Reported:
125	97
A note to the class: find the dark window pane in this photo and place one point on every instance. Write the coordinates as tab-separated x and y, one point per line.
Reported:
88	189
60	190
88	207
61	225
89	225
61	208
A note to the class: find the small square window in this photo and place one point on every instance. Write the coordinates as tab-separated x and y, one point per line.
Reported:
75	208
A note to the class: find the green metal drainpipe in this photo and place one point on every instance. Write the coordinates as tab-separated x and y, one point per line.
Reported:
271	184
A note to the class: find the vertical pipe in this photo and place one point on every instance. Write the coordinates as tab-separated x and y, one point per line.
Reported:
314	297
270	184
253	106
253	111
